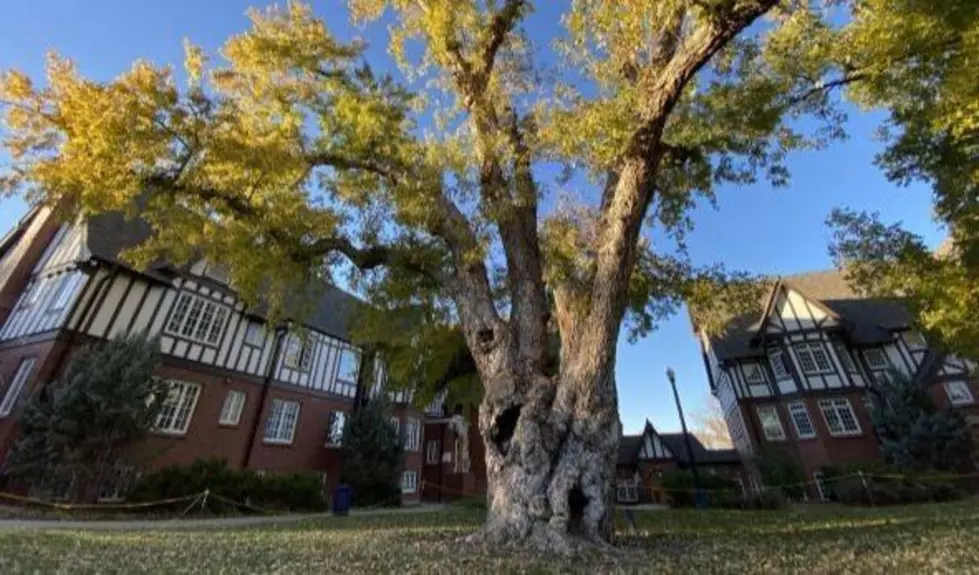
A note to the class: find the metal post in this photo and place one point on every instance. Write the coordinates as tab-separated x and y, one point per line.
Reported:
671	375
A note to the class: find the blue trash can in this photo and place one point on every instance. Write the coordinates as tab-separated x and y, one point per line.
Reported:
342	500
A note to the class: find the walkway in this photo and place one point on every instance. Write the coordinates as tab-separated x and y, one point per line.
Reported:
212	523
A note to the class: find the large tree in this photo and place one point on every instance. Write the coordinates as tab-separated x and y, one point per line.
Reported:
291	157
918	60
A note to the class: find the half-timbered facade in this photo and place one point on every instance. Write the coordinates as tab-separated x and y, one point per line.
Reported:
643	458
260	397
797	374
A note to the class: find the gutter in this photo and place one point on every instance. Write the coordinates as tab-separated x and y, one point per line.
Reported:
280	333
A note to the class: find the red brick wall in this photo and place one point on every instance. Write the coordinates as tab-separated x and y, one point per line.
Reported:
46	354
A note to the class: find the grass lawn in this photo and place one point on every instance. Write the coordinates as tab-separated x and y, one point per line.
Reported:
935	538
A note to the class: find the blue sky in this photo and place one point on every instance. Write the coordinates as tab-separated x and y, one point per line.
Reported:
756	228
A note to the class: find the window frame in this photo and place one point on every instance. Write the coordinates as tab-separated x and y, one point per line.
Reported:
796	408
62	295
16	388
181	404
250	331
836	406
630	489
284	403
872	351
414	481
341	376
299	353
180	325
433	455
759	410
846	359
964	386
330	424
413	434
806	349
777	357
753	366
238	405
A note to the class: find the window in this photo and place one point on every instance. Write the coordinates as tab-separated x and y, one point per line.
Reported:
197	318
770	423
914	339
30	297
349	365
801	421
178	408
255	334
409	481
432	452
396	424
777	359
958	392
813	358
839	417
280	427
876	358
334	428
16	386
460	456
413	434
298	353
845	358
753	373
62	295
627	490
234	402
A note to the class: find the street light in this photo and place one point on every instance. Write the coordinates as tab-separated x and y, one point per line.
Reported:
671	375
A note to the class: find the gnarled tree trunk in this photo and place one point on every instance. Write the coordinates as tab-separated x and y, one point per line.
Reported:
551	444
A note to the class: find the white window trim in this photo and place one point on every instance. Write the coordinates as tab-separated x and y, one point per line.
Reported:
23	373
236	407
756	368
845	358
413	434
172	428
299	353
799	408
627	490
964	387
341	376
872	352
62	294
292	431
765	408
409	486
219	314
255	334
777	358
836	405
432	455
807	347
329	430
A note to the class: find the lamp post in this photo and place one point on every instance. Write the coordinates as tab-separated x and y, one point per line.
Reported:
671	375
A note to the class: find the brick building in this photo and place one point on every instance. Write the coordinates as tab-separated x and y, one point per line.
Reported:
642	459
259	397
797	374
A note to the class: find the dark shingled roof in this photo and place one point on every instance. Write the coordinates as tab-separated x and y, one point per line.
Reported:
108	234
629	449
868	320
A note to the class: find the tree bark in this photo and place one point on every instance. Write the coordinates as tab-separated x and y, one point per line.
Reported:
550	470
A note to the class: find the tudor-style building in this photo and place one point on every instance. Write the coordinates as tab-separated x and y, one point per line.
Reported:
259	397
643	458
797	373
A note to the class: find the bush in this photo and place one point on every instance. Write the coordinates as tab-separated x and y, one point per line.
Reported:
478	503
295	491
769	499
887	486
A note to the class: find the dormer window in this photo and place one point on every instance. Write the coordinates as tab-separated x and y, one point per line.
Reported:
876	358
197	318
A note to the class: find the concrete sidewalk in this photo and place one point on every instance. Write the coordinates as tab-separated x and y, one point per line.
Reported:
212	523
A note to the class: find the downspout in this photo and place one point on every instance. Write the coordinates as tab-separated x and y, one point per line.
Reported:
263	397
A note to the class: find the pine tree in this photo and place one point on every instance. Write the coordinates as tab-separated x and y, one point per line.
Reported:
914	432
81	427
372	456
